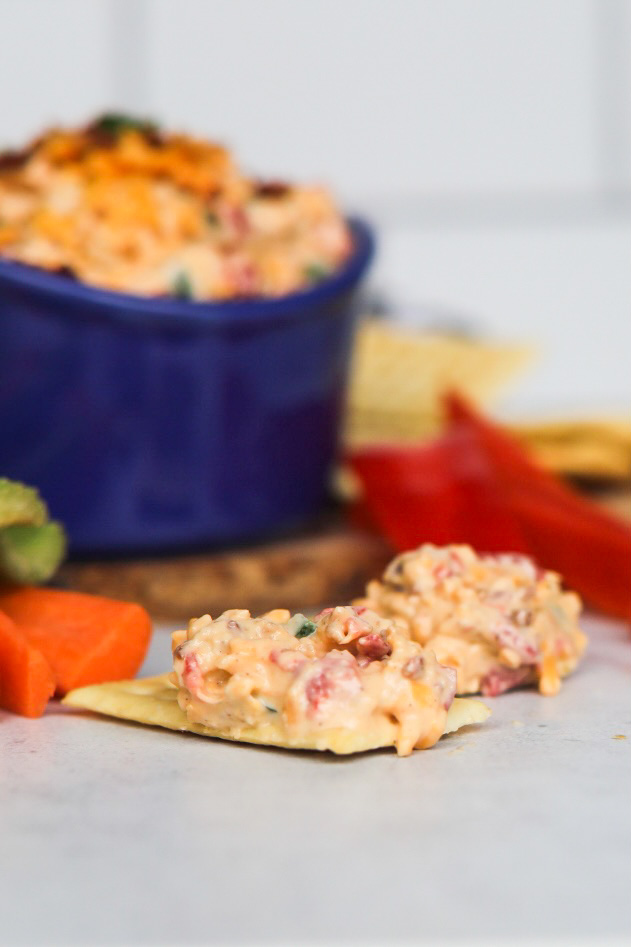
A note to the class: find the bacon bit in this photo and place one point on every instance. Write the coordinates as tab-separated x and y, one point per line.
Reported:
501	679
10	160
271	189
360	609
288	659
373	647
65	271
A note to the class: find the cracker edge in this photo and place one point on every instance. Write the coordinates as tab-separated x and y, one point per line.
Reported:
152	701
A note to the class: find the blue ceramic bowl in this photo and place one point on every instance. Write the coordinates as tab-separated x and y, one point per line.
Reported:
159	423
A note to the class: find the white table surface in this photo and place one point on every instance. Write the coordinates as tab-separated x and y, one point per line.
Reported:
113	833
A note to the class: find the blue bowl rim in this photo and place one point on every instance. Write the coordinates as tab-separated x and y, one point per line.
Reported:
128	308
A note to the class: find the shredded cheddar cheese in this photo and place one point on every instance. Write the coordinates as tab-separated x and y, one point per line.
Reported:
122	206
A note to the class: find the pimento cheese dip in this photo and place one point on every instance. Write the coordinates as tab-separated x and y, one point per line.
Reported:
124	206
348	669
500	621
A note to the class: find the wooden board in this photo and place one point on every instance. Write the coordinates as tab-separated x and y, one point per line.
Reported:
323	567
327	565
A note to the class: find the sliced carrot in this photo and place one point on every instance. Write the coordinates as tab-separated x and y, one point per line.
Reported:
26	678
86	639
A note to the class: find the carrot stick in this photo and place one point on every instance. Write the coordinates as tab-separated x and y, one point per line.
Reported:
26	678
86	639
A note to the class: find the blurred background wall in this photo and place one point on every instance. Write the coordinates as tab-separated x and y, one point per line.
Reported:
489	140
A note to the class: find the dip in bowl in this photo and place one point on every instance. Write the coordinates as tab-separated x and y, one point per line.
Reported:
155	422
120	204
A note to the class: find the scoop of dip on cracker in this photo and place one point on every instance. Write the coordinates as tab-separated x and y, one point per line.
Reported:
347	682
123	205
499	620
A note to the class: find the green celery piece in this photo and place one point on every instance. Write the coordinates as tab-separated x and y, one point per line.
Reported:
31	554
316	272
115	123
182	287
20	505
307	628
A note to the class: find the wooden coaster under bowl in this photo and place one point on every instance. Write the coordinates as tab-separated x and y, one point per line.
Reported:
327	566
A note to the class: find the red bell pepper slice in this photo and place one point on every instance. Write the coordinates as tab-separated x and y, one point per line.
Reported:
477	485
591	549
443	492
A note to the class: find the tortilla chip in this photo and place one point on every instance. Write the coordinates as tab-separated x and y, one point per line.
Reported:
599	449
399	376
153	701
464	712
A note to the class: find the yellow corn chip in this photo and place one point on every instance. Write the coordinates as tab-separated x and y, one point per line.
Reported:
153	701
611	430
600	449
398	377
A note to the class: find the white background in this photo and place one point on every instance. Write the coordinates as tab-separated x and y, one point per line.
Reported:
489	141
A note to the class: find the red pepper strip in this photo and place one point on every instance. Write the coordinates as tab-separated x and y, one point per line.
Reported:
443	492
511	462
595	564
361	518
590	549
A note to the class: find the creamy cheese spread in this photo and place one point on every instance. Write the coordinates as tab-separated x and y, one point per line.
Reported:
348	669
499	620
125	206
